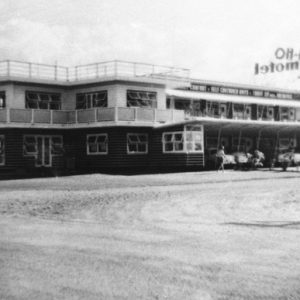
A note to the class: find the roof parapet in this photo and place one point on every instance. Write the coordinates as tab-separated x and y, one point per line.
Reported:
102	70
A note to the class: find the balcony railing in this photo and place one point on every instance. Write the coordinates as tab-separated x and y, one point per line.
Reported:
88	116
91	71
114	114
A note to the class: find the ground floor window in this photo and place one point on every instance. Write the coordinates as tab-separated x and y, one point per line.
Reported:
2	150
173	142
137	143
43	148
97	144
188	140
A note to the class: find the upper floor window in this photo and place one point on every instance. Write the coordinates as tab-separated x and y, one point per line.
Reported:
90	100
141	99
97	144
2	100
41	100
137	143
2	150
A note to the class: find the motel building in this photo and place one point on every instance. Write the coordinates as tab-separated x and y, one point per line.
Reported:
123	116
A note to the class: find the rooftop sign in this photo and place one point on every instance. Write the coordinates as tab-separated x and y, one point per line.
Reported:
286	59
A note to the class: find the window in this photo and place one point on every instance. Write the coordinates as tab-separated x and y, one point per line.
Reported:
91	100
31	145
2	150
284	113
2	100
43	148
137	143
141	99
97	144
183	104
189	140
40	100
213	108
57	145
194	138
173	142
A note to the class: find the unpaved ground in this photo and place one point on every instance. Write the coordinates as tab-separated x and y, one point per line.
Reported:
203	235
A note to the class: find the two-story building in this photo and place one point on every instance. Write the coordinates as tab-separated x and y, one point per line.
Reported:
123	116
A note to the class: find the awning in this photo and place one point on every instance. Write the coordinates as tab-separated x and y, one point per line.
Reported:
232	98
236	125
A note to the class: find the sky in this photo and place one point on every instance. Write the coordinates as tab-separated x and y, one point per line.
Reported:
218	40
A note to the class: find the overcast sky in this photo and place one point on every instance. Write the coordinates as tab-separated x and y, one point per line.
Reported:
217	40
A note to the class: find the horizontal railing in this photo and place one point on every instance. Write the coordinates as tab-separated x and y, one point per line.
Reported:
113	114
97	115
108	69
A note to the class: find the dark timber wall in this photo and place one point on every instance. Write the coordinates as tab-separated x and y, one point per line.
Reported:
15	161
75	157
117	157
160	160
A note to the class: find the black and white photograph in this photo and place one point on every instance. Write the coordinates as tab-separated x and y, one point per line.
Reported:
149	150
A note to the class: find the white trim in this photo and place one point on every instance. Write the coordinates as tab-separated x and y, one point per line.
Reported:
146	143
232	98
97	135
173	142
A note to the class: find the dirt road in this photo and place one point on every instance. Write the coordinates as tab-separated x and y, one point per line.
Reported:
203	235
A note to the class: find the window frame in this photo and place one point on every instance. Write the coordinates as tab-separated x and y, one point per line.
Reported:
39	101
185	132
146	143
2	137
36	136
96	136
153	102
89	99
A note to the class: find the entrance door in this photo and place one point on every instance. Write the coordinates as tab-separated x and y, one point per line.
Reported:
44	158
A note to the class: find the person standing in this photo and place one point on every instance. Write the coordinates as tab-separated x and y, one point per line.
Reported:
221	158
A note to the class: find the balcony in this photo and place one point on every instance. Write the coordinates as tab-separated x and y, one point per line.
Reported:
102	70
89	117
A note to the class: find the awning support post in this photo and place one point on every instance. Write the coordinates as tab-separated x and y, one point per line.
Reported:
239	142
219	136
258	139
276	143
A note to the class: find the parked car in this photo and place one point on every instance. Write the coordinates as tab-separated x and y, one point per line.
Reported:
242	159
212	158
288	158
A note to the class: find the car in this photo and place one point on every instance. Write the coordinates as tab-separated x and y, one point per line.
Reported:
288	158
242	159
212	158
